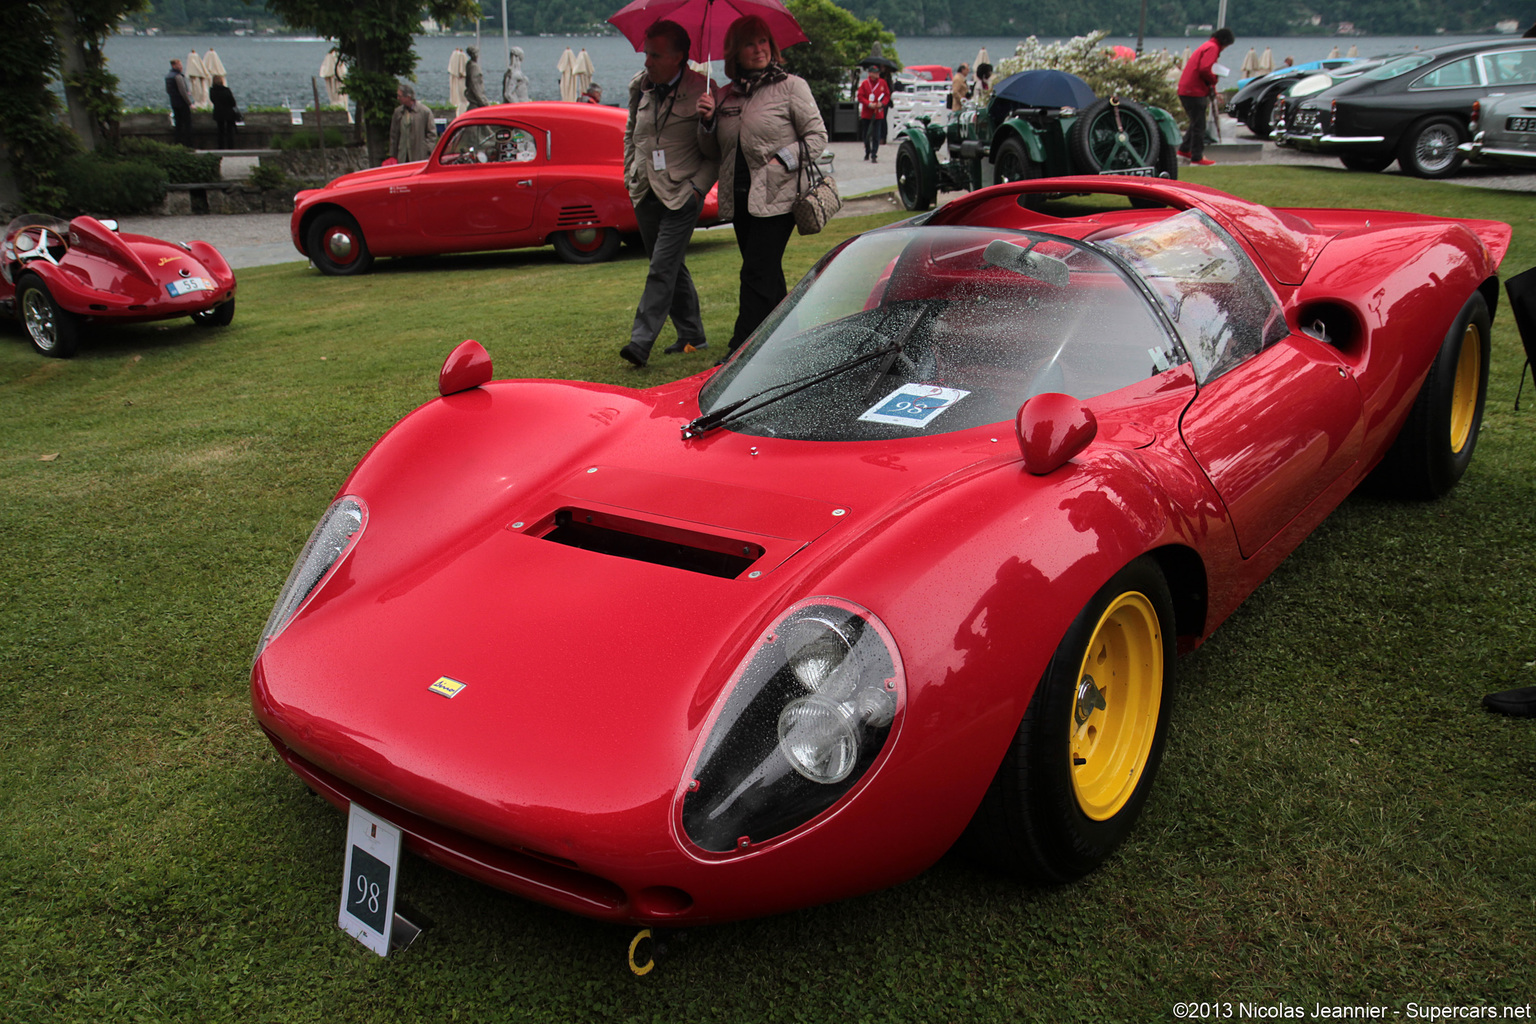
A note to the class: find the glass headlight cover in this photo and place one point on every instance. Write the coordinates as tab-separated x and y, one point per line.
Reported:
808	714
1311	85
335	534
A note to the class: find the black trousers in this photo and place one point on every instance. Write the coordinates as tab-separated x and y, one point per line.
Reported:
226	134
762	241
1194	138
181	118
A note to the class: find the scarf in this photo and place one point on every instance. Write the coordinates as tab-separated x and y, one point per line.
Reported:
748	82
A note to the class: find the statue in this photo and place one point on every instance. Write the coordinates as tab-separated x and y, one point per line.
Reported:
514	84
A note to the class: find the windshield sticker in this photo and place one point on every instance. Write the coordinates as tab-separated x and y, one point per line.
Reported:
913	405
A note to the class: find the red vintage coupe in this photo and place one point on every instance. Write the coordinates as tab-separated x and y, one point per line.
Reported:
910	569
57	275
509	176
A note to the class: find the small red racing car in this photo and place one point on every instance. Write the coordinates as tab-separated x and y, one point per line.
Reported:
911	568
509	176
57	275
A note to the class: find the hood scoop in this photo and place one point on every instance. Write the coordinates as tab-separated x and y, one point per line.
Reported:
703	526
642	541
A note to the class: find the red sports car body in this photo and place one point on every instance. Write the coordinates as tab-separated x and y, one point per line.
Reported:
509	176
57	275
909	569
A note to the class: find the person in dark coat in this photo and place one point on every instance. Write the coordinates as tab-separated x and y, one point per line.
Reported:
225	111
180	94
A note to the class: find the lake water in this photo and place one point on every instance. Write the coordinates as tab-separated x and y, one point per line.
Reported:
271	71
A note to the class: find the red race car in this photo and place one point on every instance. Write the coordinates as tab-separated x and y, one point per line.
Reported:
910	569
503	177
56	275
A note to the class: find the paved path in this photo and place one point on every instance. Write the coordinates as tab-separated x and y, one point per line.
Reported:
260	239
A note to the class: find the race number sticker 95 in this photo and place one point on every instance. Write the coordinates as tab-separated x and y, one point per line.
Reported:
368	883
913	405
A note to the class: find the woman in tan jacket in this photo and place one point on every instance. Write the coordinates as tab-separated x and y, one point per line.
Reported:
755	127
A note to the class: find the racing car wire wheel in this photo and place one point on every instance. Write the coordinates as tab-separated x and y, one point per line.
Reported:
586	245
1081	764
910	187
1014	164
337	246
1113	135
218	316
1435	445
1428	149
54	331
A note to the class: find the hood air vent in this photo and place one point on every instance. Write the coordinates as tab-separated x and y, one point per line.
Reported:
640	541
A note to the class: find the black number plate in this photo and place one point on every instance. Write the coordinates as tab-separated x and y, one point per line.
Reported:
1520	124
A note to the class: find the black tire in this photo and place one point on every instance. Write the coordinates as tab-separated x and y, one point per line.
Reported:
1369	164
915	193
337	246
1428	149
586	245
218	316
1436	443
1081	764
1113	135
53	331
1013	163
1263	123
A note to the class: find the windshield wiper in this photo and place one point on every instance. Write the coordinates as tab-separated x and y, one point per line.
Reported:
774	392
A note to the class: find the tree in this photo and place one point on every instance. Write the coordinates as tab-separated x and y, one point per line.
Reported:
374	38
42	42
838	41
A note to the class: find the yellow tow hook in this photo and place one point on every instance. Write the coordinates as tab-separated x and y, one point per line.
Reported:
650	947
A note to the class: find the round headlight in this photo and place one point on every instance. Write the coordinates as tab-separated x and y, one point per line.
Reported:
818	651
819	738
808	714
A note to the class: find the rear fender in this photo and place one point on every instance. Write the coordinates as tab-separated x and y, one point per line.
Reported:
1166	126
1026	133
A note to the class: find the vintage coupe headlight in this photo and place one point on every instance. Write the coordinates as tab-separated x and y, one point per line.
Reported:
807	716
1311	85
335	534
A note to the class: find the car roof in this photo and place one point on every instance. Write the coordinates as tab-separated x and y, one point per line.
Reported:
1464	47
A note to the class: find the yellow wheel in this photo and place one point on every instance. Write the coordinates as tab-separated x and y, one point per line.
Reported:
1114	710
1081	764
1467	389
1435	445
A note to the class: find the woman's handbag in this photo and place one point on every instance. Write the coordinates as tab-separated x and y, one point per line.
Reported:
815	205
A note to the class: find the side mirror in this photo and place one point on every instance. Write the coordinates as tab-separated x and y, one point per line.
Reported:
467	366
1052	428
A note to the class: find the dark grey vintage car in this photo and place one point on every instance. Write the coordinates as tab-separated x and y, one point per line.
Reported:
1414	109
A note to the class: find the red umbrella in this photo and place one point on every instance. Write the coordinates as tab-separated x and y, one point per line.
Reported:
706	21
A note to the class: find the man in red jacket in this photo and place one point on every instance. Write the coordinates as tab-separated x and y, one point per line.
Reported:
1196	87
874	97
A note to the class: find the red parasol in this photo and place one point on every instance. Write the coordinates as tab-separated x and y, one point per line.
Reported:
706	21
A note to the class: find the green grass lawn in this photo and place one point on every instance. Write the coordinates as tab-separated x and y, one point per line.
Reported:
1337	820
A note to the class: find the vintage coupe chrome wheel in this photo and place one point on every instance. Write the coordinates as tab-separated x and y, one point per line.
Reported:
586	245
1429	148
337	246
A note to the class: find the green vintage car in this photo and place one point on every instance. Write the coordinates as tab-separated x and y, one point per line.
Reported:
1038	124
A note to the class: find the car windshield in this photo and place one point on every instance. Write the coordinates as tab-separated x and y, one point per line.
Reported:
915	331
1400	66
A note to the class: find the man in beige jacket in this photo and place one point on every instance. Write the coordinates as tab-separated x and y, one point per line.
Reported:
667	176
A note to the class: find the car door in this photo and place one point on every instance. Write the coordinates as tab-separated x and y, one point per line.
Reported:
482	187
1278	417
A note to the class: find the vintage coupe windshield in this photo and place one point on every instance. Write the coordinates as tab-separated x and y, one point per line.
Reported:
915	331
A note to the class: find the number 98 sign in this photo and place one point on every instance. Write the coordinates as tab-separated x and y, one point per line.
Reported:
368	883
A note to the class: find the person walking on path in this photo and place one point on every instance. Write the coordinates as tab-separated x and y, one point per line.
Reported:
410	130
180	93
667	174
760	127
874	97
1197	86
225	111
